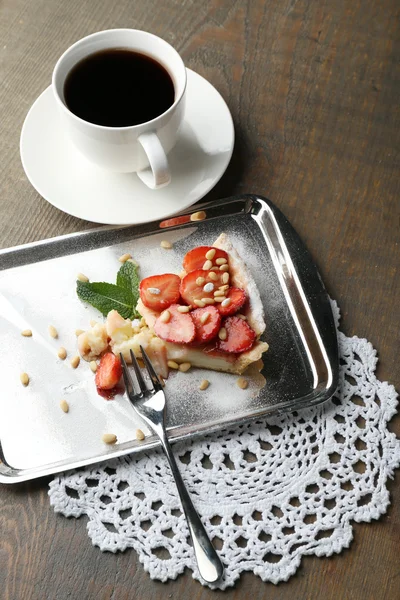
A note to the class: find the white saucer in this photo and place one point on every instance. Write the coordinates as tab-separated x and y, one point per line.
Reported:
71	183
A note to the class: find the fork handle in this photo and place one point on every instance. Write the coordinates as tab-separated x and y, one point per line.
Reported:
208	562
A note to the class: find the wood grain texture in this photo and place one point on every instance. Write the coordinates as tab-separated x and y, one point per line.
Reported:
313	88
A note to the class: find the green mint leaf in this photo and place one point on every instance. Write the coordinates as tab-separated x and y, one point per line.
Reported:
128	278
106	297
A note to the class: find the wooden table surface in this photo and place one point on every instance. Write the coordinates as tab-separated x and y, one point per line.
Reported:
313	87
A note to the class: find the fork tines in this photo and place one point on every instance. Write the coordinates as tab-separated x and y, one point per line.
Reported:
157	385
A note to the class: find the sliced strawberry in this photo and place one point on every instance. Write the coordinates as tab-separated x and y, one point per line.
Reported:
175	221
179	329
159	291
195	259
237	298
239	336
109	371
208	330
191	290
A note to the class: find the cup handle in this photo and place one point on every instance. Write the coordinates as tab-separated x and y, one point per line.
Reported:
158	175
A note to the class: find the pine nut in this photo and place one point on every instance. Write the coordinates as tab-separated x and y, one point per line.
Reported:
82	277
125	257
204	318
143	322
183	309
79	331
75	362
243	317
161	378
134	262
109	438
199	303
214	269
198	216
172	364
226	302
24	377
140	435
93	322
204	384
221	261
64	406
200	280
223	288
222	333
62	353
165	316
53	331
26	333
185	366
155	291
225	278
219	293
208	301
93	366
210	254
224	268
212	275
209	287
242	383
166	244
207	265
219	298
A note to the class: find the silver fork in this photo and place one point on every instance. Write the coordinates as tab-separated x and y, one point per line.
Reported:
150	406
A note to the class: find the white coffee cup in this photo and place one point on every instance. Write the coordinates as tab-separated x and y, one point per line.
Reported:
139	148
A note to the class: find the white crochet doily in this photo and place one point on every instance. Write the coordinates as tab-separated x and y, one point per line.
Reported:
268	492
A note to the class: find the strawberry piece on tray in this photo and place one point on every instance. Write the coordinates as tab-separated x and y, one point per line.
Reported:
237	297
174	221
109	372
200	284
196	258
207	322
239	336
174	326
160	291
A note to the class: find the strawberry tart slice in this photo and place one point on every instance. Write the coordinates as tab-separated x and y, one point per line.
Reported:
210	316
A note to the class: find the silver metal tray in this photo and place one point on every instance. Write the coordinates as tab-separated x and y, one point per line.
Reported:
37	288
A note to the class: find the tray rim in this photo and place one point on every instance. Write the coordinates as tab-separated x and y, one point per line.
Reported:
322	390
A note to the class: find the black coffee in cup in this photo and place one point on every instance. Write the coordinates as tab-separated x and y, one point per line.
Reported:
118	87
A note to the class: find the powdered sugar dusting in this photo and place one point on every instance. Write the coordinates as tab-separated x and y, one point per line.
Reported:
221	397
